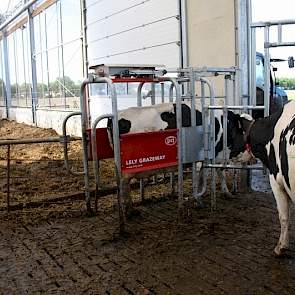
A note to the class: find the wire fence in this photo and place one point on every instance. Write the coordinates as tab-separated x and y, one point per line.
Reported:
35	174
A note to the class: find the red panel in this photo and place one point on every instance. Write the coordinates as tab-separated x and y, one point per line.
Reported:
149	150
104	150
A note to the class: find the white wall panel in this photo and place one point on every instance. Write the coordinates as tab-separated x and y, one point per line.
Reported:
133	31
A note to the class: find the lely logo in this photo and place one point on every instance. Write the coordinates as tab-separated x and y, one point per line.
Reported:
170	140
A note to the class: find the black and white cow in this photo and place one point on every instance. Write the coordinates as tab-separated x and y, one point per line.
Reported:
272	140
162	117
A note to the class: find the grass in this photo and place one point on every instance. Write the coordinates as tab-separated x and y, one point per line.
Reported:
291	94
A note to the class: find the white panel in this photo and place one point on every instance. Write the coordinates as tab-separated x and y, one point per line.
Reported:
133	31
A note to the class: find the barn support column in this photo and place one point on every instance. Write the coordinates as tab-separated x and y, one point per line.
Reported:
7	88
182	6
33	65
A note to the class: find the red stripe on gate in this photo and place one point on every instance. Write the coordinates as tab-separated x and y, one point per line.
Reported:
149	150
103	148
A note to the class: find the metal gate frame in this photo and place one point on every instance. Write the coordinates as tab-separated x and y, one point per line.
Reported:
267	45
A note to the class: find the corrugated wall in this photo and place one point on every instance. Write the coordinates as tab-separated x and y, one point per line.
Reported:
133	32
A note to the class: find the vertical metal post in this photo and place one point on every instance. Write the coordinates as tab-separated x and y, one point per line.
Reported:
2	74
84	41
62	55
253	68
183	33
8	178
117	154
139	104
85	141
266	71
33	65
162	92
153	95
17	96
7	75
194	123
225	115
205	120
251	52
212	142
24	58
181	205
171	92
47	60
279	33
139	98
41	94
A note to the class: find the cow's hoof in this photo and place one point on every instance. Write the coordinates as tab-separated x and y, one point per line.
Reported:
280	252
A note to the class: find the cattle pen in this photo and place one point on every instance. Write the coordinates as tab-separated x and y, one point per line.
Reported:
194	143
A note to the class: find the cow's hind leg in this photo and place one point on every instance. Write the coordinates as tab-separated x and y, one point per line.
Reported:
282	201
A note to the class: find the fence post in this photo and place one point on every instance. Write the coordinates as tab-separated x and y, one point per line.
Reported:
8	178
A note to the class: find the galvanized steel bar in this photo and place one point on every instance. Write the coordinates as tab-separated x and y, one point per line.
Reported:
179	144
33	140
277	44
139	104
7	76
171	93
273	23
8	179
197	195
208	70
84	38
153	94
230	166
139	96
212	141
162	92
225	115
65	142
183	30
33	65
193	123
253	68
280	33
217	107
85	140
266	73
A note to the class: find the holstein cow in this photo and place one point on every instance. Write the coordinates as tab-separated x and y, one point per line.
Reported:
272	140
162	117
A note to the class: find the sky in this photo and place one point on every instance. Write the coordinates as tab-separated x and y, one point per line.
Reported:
263	10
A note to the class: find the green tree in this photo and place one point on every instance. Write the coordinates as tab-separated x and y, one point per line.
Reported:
286	83
65	85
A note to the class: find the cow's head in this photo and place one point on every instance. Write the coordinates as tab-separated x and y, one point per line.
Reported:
239	126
